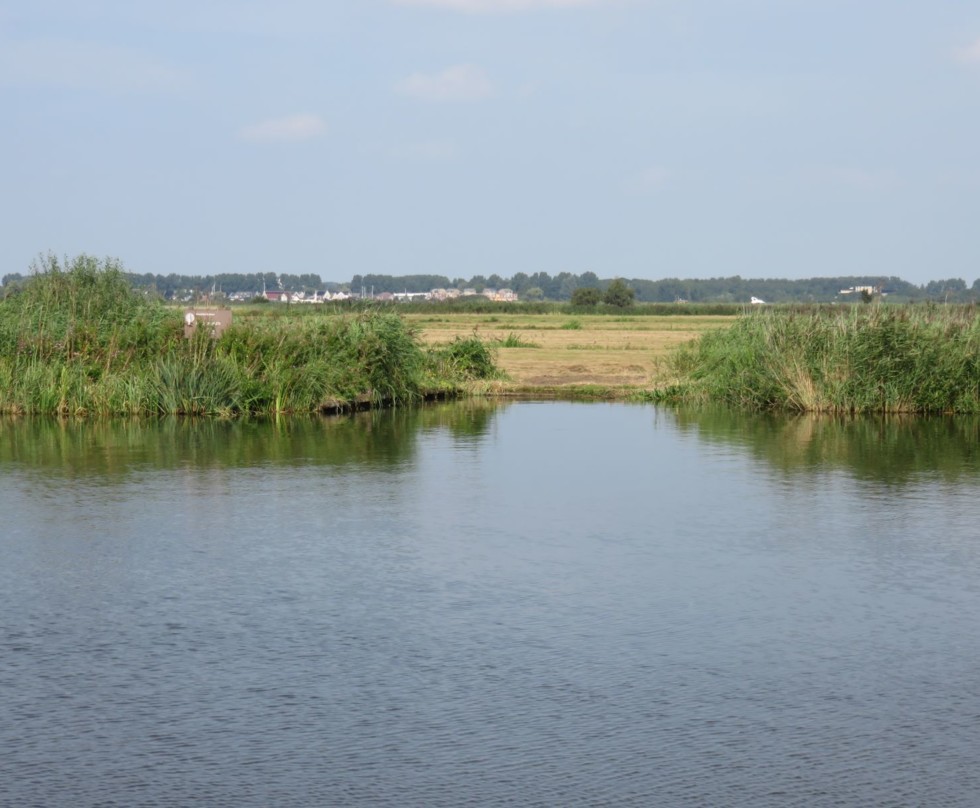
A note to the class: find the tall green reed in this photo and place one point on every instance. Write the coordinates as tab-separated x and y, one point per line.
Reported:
856	359
77	340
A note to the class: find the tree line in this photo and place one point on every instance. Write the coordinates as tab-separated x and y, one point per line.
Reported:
560	287
734	289
177	286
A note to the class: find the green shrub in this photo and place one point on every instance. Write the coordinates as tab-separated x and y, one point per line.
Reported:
469	358
513	340
586	296
618	294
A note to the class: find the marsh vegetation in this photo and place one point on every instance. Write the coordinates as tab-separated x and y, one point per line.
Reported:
76	339
857	359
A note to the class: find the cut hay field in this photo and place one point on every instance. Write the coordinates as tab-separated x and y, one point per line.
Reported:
562	354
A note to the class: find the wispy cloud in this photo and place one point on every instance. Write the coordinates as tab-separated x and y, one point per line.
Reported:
289	129
85	66
457	83
969	54
493	6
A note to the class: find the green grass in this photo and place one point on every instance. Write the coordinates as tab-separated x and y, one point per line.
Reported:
882	359
77	340
513	340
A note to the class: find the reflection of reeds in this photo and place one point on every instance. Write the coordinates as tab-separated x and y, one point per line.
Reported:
77	340
115	448
862	359
889	448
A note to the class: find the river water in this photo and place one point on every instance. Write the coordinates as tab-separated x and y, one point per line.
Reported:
525	604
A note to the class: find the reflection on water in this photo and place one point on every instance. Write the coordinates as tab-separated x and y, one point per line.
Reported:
112	449
479	604
891	449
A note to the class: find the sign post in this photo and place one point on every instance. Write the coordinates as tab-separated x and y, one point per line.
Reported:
215	321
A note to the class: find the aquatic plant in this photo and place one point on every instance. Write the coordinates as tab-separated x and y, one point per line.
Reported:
874	358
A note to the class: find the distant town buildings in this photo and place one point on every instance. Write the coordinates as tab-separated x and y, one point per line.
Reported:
281	296
857	290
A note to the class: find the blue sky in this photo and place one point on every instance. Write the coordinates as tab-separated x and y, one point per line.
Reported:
634	138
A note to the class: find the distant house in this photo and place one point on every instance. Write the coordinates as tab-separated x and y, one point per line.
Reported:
499	294
857	290
277	296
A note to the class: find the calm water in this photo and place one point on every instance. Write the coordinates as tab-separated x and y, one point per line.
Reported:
533	604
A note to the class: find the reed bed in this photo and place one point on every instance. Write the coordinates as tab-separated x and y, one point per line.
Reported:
862	359
78	340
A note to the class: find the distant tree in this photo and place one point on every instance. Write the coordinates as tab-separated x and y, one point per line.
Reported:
534	293
949	289
11	284
542	281
618	294
586	296
394	283
567	284
519	282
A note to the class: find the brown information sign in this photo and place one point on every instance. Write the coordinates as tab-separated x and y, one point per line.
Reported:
214	320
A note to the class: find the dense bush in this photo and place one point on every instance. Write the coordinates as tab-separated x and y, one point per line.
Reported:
618	294
468	357
586	296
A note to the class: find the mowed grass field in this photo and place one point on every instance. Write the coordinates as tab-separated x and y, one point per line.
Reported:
541	353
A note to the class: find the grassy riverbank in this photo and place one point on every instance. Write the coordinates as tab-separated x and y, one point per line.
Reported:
868	359
77	340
